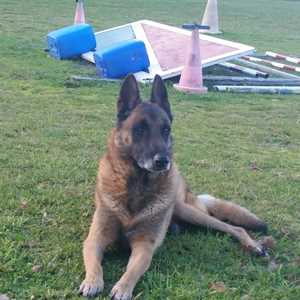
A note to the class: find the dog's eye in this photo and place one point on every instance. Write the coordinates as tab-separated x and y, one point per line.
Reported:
139	130
166	131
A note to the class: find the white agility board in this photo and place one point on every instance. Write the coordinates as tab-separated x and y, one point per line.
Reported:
167	47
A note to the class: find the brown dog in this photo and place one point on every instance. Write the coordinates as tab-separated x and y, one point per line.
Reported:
139	189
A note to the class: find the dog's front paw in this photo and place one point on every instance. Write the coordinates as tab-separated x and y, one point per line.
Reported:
91	288
121	292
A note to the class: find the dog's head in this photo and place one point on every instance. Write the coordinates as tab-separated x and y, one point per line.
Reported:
144	128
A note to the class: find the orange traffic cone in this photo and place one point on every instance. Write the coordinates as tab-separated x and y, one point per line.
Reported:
211	17
79	13
191	79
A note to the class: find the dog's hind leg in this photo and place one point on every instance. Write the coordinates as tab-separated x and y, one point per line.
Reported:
193	215
229	211
103	231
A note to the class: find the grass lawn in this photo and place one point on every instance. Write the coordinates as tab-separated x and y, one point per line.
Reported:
241	147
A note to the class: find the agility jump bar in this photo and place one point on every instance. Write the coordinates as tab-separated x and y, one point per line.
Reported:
267	69
272	63
246	70
293	60
237	80
283	90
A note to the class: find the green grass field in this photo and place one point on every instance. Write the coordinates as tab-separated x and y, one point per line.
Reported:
52	132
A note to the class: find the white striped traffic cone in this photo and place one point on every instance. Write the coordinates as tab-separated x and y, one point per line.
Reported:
79	13
211	17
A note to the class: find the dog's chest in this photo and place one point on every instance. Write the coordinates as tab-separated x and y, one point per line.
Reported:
139	193
142	191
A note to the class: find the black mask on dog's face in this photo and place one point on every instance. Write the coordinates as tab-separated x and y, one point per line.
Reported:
145	127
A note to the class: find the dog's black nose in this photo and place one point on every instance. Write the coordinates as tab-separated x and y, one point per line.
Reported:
161	162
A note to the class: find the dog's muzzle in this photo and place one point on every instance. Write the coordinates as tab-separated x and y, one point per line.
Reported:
161	163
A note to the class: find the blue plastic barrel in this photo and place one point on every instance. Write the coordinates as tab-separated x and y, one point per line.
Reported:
121	59
71	41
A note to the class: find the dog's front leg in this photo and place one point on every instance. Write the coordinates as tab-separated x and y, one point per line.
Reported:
139	262
103	231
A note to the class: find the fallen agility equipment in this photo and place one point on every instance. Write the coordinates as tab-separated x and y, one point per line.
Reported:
165	44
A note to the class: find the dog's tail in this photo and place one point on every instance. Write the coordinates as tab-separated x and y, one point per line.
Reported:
235	214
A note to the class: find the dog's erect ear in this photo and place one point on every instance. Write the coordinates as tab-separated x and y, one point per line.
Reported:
159	95
129	98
